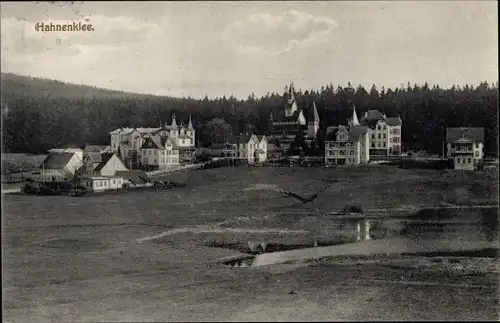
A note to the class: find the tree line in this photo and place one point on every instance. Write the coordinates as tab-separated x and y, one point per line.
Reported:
41	114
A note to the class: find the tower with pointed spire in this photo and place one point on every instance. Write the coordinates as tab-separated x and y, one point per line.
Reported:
291	106
354	120
312	122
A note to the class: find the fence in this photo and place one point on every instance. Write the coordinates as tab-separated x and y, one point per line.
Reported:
174	168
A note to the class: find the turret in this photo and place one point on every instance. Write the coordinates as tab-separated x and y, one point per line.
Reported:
174	124
313	122
355	121
190	125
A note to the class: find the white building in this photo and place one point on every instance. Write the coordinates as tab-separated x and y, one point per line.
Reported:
347	145
97	183
384	132
60	165
465	147
128	141
102	164
250	147
159	152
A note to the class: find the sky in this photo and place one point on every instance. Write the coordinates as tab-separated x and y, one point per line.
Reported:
191	48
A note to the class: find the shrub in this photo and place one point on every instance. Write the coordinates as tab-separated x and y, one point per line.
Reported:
352	209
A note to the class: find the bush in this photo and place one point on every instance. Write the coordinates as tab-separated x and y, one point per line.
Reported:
352	209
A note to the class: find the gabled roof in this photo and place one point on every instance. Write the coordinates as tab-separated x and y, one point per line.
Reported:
280	116
241	139
95	148
260	137
357	131
154	142
393	121
474	134
56	160
171	141
371	118
105	157
148	130
313	113
95	157
353	133
134	176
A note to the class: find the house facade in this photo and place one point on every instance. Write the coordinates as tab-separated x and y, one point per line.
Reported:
60	166
465	147
102	164
98	184
129	141
384	132
159	153
347	145
250	147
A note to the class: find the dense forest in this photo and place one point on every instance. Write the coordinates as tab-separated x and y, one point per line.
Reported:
40	114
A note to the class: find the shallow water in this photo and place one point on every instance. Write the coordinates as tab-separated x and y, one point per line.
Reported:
458	233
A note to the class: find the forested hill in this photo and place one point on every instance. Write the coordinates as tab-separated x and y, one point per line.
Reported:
40	114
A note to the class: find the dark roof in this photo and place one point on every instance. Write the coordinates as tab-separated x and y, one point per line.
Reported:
371	118
357	131
280	116
241	139
313	113
221	146
56	160
95	148
473	134
354	133
105	157
134	176
393	121
154	142
96	157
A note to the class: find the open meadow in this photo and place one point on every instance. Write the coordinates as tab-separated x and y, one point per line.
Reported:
155	256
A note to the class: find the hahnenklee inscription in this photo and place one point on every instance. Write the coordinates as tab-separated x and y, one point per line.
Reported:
75	26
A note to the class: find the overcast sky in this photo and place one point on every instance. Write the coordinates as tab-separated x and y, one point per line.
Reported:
224	48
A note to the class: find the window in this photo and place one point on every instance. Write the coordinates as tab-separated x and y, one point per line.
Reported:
105	184
373	136
378	127
149	152
476	154
378	136
384	127
469	160
384	135
384	144
114	182
373	145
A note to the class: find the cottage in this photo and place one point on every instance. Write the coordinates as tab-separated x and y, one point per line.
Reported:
60	166
101	164
465	147
98	184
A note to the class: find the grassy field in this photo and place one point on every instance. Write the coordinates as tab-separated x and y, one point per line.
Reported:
77	259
